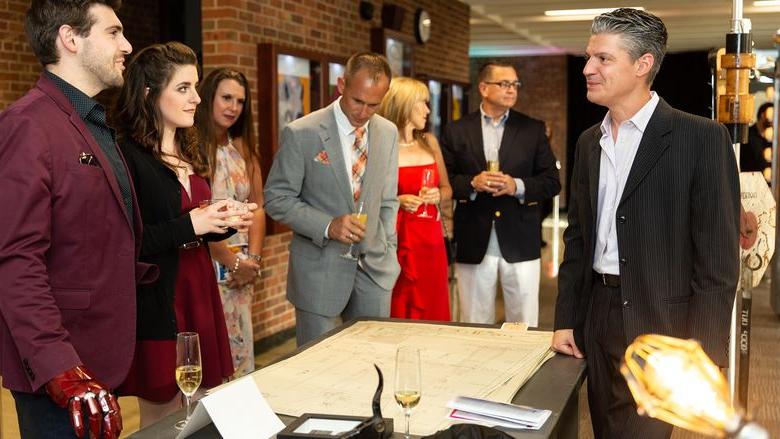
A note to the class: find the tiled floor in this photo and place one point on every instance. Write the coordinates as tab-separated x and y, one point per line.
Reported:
764	392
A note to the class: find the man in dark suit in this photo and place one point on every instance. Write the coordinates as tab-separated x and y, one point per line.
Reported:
652	242
69	230
497	212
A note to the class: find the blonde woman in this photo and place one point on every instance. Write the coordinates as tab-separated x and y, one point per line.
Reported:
421	291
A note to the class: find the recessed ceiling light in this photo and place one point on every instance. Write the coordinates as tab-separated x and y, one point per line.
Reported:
593	12
764	3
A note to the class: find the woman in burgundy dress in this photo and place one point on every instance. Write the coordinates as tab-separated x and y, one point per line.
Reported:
155	115
421	291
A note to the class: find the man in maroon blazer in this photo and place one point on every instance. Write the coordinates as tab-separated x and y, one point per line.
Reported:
69	229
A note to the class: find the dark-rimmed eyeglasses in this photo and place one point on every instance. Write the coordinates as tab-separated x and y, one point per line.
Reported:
506	85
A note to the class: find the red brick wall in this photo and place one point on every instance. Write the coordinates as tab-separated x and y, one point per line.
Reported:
18	66
544	96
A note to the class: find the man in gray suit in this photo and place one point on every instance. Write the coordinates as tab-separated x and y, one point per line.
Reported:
329	163
653	239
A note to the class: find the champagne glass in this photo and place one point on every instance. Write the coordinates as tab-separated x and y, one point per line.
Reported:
492	159
407	381
189	372
363	218
426	183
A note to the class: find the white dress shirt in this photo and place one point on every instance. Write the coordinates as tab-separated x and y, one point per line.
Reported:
617	156
347	139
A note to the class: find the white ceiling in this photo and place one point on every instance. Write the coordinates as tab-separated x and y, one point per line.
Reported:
519	27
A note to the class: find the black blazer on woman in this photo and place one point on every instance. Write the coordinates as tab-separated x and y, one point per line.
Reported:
166	229
525	153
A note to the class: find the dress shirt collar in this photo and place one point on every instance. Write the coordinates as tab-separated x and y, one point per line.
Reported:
86	107
640	119
345	126
486	119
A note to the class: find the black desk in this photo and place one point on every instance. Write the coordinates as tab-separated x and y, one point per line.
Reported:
554	387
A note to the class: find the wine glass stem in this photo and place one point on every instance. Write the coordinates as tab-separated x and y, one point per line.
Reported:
189	405
408	416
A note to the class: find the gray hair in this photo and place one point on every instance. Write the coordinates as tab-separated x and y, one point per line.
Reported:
641	32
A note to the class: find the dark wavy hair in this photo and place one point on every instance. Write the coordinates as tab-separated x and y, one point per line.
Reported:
242	128
44	18
138	114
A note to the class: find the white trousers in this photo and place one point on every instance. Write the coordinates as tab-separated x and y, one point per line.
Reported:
477	290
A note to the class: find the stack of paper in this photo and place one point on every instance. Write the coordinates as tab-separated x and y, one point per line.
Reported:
497	414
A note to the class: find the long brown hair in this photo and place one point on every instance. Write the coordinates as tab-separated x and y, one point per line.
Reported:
241	128
137	111
399	102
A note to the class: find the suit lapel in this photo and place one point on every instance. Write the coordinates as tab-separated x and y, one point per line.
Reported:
329	134
65	105
651	148
375	159
594	167
476	141
505	152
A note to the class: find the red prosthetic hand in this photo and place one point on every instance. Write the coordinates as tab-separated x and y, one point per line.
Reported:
77	390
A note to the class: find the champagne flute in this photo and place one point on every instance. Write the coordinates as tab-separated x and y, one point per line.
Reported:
492	159
426	183
407	381
363	218
189	372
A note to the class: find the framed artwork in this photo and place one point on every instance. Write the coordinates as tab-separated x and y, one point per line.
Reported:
449	102
397	47
435	118
458	107
335	71
293	84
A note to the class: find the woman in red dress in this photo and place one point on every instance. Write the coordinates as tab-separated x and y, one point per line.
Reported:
421	291
155	115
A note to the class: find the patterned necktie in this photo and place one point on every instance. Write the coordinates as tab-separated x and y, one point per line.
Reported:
359	158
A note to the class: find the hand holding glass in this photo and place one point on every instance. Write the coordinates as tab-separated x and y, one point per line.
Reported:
408	379
189	372
426	182
363	218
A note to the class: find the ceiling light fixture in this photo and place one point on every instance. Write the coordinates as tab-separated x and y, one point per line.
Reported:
592	12
766	3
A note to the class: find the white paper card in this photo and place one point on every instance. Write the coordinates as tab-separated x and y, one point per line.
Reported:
238	410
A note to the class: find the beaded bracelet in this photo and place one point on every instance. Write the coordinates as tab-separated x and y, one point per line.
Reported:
235	265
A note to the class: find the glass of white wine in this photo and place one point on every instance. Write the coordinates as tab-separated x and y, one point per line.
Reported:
363	218
492	159
408	379
426	182
189	372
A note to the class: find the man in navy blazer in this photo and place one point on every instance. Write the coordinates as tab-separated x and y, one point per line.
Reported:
497	211
69	230
653	239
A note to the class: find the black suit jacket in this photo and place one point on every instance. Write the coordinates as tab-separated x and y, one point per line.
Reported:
525	153
677	229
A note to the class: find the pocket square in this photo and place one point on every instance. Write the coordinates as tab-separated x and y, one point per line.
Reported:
88	159
322	157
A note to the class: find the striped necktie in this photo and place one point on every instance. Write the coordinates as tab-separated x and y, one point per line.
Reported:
359	158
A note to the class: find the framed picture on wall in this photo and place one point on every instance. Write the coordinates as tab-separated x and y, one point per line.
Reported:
458	103
335	71
397	47
435	118
293	83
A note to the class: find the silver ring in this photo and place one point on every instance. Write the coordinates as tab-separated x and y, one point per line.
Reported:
350	237
487	184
